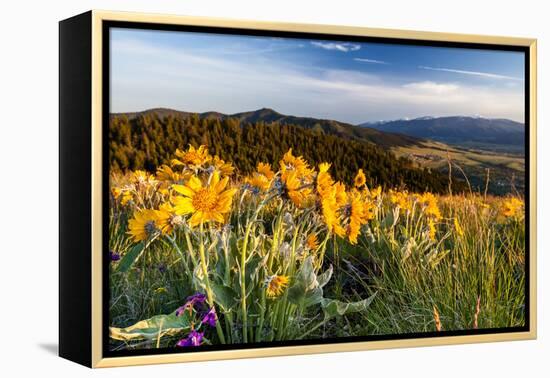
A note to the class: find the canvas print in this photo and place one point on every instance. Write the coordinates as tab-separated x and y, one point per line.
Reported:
281	190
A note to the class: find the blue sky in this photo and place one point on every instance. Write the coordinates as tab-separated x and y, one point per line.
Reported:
350	82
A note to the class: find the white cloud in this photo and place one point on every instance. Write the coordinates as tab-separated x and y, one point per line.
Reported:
339	46
432	87
145	75
365	60
473	73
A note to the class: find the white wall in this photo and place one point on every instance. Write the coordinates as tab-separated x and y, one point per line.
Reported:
28	185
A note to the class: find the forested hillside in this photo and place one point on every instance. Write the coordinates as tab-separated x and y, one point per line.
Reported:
147	140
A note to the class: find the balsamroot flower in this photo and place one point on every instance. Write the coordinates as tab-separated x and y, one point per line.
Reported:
324	180
165	173
312	242
207	203
194	157
142	226
143	178
511	207
295	188
400	199
332	196
297	178
258	182
429	201
124	194
167	219
265	169
330	209
192	340
225	169
290	162
276	285
376	192
261	180
361	211
360	179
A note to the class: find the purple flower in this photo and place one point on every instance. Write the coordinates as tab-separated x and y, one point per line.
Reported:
210	318
114	256
162	268
191	302
193	339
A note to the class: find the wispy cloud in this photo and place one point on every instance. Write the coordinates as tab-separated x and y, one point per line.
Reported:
344	47
365	60
146	75
473	73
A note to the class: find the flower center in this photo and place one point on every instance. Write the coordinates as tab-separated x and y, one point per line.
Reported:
150	227
204	200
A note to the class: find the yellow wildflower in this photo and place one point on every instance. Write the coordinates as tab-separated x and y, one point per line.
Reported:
207	203
330	210
226	169
295	188
262	178
167	218
361	211
324	180
431	229
258	181
312	242
124	194
142	226
340	194
512	207
430	205
265	169
360	179
295	163
275	285
165	173
400	199
376	192
193	156
142	177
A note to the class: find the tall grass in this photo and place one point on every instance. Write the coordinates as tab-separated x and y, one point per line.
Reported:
290	254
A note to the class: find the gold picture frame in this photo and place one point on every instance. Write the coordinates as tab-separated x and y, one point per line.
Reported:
89	269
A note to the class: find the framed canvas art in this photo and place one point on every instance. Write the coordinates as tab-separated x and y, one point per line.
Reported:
235	189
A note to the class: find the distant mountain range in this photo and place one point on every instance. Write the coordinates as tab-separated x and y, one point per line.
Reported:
476	143
332	127
459	130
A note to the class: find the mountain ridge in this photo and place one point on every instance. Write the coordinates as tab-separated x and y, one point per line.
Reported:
457	129
268	115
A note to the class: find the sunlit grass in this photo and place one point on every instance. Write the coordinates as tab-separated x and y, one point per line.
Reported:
287	253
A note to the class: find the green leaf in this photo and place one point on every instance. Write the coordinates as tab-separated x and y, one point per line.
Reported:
333	307
224	296
198	278
325	277
130	257
307	289
157	326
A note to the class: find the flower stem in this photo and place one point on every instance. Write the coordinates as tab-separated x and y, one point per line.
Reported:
207	281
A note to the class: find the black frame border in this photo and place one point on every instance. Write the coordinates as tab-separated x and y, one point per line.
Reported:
107	25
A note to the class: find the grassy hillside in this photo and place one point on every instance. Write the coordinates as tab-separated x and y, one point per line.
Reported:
506	170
